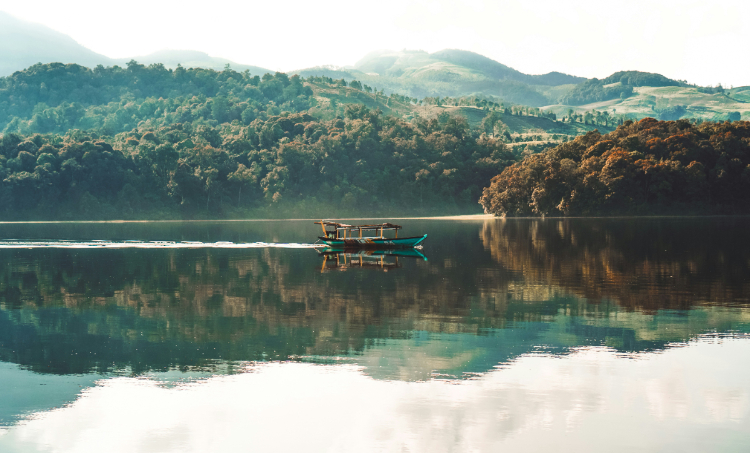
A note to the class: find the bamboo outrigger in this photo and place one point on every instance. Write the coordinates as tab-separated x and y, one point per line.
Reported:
341	235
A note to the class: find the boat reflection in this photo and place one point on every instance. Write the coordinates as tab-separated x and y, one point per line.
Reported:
345	259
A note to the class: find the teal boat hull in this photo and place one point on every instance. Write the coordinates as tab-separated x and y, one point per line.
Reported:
375	243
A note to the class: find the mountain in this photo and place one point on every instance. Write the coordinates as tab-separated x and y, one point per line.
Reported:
23	44
641	79
493	69
456	73
468	65
419	74
416	74
452	73
194	59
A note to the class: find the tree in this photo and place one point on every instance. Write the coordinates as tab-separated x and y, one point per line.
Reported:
489	122
645	167
243	176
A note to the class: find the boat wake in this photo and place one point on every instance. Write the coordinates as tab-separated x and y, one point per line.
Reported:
18	244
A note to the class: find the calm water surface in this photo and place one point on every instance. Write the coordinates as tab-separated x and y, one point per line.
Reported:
581	335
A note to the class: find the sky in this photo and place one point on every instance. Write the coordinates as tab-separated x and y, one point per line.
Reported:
697	41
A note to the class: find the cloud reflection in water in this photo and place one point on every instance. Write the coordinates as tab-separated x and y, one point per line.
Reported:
591	400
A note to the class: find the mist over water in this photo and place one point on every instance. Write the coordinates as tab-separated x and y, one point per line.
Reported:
583	334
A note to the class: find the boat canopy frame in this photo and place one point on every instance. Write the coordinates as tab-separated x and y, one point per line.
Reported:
336	230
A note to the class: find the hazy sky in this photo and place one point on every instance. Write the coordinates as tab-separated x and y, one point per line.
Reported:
700	41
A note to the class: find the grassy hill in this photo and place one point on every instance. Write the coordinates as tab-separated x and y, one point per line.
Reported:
525	131
741	94
494	70
452	73
648	101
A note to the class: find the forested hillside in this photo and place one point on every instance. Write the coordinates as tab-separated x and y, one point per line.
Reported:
146	141
645	167
56	97
284	165
150	142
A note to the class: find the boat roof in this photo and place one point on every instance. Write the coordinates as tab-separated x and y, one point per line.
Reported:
338	225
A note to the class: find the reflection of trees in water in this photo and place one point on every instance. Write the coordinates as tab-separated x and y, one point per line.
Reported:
270	286
641	263
77	310
70	310
74	310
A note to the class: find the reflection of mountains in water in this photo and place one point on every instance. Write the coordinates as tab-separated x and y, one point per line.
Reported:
346	259
64	341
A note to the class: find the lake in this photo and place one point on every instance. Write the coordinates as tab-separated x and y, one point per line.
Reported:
583	335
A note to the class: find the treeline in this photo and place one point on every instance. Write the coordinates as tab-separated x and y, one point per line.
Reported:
647	167
489	105
56	97
594	117
364	163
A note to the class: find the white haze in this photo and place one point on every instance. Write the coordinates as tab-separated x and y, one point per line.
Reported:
687	39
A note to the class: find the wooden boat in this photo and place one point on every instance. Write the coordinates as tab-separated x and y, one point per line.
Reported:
340	235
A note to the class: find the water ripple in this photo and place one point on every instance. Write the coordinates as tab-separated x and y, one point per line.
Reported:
14	244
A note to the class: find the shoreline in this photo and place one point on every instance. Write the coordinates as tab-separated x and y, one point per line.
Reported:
451	217
448	217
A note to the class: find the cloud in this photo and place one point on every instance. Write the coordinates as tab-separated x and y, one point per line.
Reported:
590	400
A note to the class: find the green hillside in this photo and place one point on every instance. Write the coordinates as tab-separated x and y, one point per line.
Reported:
670	103
452	73
524	125
741	94
145	141
494	70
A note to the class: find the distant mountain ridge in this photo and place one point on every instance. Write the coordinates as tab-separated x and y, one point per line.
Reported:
417	74
450	72
493	69
395	63
23	44
194	59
